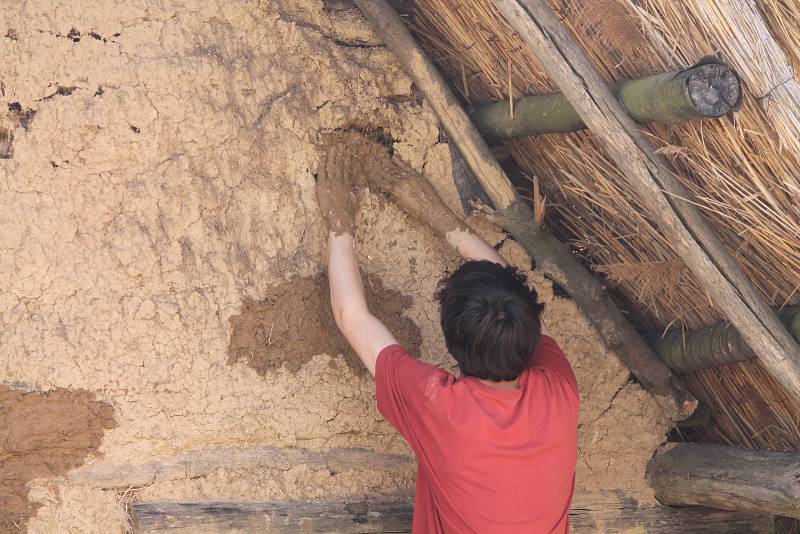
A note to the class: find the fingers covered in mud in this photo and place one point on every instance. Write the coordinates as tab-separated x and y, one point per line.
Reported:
335	194
364	159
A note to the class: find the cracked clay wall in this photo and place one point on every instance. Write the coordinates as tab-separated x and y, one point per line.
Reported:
155	180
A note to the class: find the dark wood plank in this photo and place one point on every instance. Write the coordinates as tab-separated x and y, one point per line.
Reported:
591	513
342	516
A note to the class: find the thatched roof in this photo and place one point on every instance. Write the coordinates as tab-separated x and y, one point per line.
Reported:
743	170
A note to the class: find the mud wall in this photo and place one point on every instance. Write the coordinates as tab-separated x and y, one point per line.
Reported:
157	184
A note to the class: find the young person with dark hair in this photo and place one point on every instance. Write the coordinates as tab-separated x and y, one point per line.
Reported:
496	446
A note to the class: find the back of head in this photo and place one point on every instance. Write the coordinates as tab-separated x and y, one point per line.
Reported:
490	319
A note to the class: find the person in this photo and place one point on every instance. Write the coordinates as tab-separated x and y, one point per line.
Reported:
497	446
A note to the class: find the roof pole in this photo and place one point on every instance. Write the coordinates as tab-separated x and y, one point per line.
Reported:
659	191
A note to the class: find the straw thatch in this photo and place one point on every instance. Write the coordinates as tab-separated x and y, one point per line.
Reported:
744	171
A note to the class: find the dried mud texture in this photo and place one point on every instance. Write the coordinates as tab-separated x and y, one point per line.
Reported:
172	184
293	483
620	424
43	435
295	321
162	176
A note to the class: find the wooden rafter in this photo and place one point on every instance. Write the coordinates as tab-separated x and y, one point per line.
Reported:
664	197
551	255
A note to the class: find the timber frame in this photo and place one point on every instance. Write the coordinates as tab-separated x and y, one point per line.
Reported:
614	512
757	482
664	197
551	255
713	345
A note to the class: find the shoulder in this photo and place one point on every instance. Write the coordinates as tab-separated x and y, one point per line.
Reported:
548	360
396	365
404	386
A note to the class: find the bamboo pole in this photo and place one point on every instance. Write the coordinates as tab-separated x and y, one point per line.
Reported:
713	346
701	92
728	478
551	255
664	197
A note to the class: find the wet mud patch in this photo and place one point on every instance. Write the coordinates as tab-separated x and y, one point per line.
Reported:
294	322
43	435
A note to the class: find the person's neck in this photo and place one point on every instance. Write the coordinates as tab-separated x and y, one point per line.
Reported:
503	385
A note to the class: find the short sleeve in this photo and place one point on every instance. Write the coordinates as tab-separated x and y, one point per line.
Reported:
402	386
549	356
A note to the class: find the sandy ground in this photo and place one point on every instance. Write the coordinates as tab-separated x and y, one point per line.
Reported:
157	184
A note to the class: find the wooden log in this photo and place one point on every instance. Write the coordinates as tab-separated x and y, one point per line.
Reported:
468	187
552	256
591	514
341	516
714	345
664	197
701	92
727	477
201	462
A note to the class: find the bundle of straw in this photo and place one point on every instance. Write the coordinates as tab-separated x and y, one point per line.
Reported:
783	20
744	172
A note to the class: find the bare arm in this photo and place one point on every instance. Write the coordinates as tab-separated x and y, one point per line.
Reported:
365	333
471	246
417	196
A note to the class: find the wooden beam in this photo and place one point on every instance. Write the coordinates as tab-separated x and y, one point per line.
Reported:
727	477
552	256
664	197
201	462
591	513
714	345
341	516
701	92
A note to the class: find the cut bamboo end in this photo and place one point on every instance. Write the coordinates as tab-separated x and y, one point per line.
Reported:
712	346
701	92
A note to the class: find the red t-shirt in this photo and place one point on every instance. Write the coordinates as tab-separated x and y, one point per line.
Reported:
490	461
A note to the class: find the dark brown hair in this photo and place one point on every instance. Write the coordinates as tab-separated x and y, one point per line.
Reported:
490	319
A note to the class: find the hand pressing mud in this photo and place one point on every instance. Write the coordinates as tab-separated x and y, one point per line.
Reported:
335	188
416	196
369	164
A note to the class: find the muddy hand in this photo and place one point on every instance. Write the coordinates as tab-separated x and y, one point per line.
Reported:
334	189
415	194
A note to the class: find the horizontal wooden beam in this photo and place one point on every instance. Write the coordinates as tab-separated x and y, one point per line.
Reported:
591	513
201	462
727	477
701	92
714	345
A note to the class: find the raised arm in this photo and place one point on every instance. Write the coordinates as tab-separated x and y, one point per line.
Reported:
365	333
416	195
